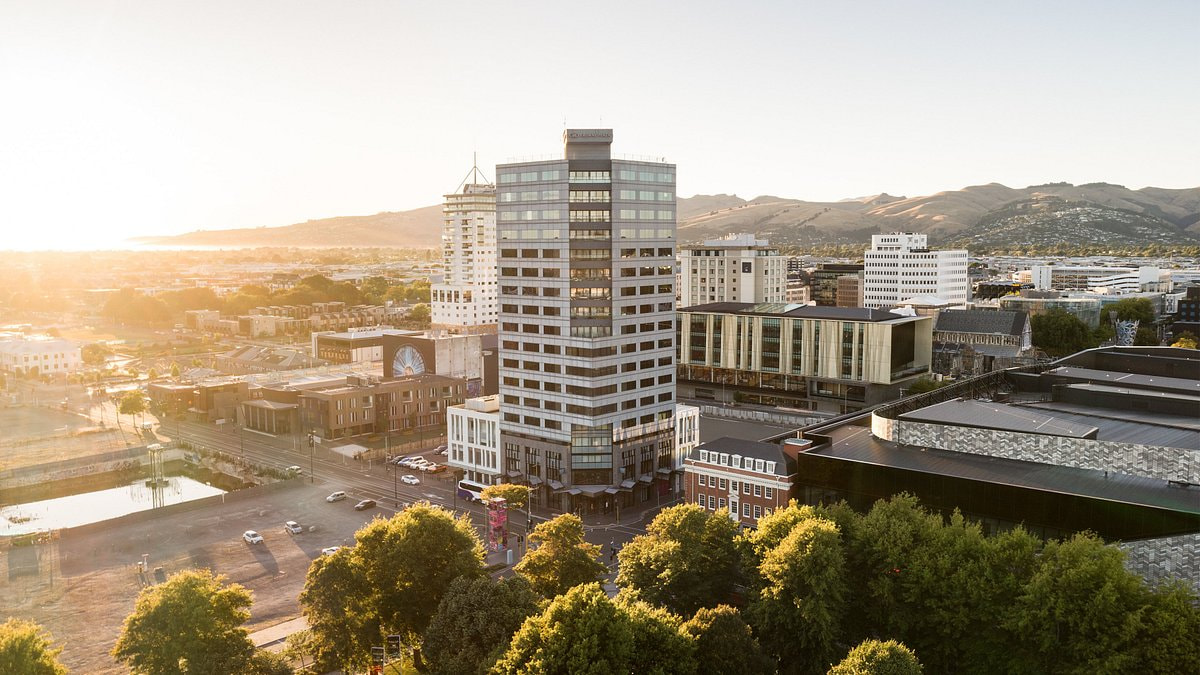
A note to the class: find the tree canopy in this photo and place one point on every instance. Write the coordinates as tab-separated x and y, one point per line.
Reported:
1060	333
687	559
516	495
474	623
391	581
873	657
27	649
724	643
192	623
132	403
558	558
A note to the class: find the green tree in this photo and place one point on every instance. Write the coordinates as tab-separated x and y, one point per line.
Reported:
318	282
26	648
95	354
515	495
1167	643
191	298
374	288
1059	333
474	624
419	314
873	657
687	559
798	612
584	632
393	579
724	643
925	384
1129	309
269	663
192	623
175	370
1186	340
132	403
559	559
1081	611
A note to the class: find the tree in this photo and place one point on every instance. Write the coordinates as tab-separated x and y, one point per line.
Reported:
724	643
1186	340
269	663
374	288
390	582
419	314
475	622
1129	309
925	384
515	495
95	354
192	623
872	657
1060	333
175	370
687	559
584	632
798	612
1170	625
561	559
26	648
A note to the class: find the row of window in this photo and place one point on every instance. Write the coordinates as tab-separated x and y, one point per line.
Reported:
596	411
530	176
733	485
557	233
715	503
737	461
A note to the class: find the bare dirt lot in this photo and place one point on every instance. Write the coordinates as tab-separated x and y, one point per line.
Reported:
95	583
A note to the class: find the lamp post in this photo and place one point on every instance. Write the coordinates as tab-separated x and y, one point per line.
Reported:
312	441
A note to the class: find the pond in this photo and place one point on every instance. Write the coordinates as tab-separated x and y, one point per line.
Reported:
93	507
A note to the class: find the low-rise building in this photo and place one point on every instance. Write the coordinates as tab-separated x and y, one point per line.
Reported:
473	439
734	268
362	405
39	355
975	341
364	345
744	479
254	359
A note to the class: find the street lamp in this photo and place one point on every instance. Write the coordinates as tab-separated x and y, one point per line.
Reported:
312	441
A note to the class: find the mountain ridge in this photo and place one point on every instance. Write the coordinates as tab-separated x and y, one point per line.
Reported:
1093	213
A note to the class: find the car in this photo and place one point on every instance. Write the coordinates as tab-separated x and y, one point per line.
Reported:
252	537
293	470
410	480
336	496
293	527
331	550
442	450
364	505
433	468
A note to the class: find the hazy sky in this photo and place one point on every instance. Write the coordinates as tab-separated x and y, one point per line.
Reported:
121	118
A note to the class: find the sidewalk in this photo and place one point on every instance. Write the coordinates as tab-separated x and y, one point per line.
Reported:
272	639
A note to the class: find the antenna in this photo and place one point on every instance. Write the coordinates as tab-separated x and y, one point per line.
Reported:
473	173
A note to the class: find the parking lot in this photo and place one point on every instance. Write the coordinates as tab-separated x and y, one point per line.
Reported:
95	581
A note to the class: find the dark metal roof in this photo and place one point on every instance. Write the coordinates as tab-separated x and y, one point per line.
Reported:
987	415
770	452
1133	380
795	311
1112	426
856	444
990	322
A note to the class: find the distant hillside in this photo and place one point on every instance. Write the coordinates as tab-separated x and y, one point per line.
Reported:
983	216
406	229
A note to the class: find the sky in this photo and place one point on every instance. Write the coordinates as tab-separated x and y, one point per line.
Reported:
121	118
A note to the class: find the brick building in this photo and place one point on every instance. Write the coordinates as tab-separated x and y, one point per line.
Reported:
746	479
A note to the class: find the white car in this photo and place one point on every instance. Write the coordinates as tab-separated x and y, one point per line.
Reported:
410	480
331	550
293	527
252	537
336	496
293	470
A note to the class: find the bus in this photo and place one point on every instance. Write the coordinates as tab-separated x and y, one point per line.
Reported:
470	490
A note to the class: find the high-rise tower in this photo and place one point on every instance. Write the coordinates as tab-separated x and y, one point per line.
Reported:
586	252
465	301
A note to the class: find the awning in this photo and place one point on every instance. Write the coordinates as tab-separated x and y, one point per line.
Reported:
554	485
592	490
573	491
628	483
535	480
611	490
513	473
646	478
664	470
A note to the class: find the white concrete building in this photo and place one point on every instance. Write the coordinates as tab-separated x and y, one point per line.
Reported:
901	265
473	439
687	437
38	355
1098	279
465	300
734	268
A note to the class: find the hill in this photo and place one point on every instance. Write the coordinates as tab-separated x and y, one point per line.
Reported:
404	229
979	216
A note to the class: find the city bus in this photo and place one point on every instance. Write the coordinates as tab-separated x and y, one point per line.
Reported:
470	490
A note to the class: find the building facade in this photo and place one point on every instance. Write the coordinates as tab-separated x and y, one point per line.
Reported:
813	358
824	281
587	298
473	439
901	265
465	301
744	479
734	268
39	356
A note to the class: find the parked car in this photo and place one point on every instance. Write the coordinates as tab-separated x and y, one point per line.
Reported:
293	527
331	550
252	537
293	470
364	505
442	450
410	480
433	468
336	496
